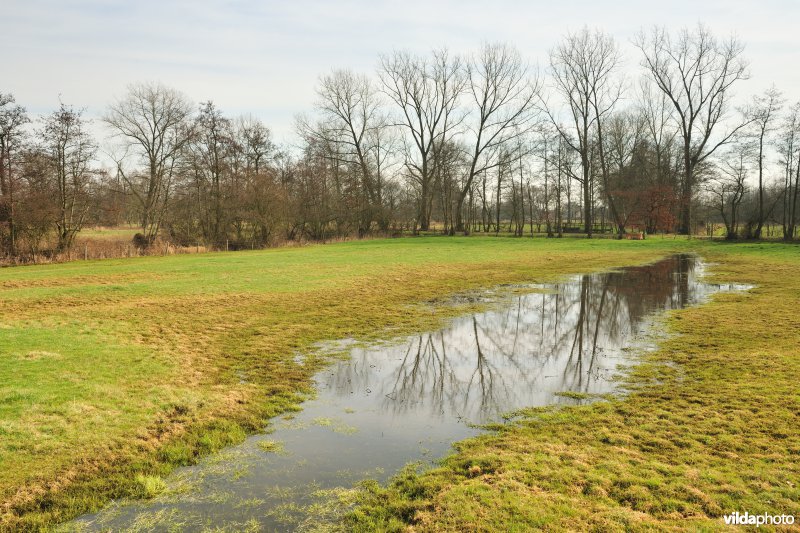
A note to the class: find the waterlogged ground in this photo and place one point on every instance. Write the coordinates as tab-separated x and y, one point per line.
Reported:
407	400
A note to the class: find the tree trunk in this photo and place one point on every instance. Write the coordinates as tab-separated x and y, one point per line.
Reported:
686	193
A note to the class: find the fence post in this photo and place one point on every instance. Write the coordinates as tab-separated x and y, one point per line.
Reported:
85	252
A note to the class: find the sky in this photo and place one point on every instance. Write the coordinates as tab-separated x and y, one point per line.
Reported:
264	58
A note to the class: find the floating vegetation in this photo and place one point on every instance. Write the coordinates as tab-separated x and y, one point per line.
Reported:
239	473
336	425
250	503
271	446
323	421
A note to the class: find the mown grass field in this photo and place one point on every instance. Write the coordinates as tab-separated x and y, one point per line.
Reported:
114	372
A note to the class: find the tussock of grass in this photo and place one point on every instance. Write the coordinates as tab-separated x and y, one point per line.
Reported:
149	486
270	446
714	431
165	359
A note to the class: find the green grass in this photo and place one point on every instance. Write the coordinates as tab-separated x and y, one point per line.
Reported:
712	427
112	370
117	371
108	234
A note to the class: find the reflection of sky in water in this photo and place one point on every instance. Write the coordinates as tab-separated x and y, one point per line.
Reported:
395	403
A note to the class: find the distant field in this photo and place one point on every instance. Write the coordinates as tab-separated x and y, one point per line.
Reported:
118	368
116	233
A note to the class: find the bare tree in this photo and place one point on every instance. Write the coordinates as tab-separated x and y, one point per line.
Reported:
255	141
503	96
727	186
625	184
152	122
656	111
426	91
12	120
256	194
762	113
70	150
790	160
352	122
696	72
213	148
583	68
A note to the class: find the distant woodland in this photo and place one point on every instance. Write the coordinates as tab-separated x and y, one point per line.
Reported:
446	143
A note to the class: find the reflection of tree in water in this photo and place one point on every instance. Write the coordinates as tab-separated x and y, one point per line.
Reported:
559	340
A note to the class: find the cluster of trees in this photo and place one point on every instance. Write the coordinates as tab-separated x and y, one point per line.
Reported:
458	144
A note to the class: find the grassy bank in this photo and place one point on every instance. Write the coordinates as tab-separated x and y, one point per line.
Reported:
114	372
712	427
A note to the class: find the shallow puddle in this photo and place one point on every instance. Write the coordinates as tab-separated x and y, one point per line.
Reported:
409	399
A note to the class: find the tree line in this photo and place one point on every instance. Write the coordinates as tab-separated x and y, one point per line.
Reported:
442	142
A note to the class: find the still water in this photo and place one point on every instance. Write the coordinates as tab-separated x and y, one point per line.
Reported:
408	399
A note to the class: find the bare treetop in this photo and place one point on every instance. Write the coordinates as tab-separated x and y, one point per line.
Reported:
696	71
426	91
584	67
503	94
151	119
